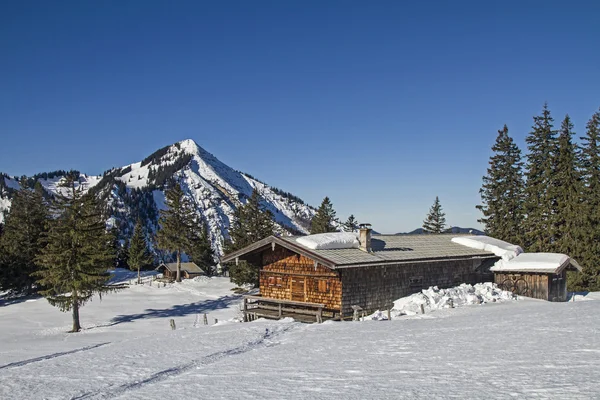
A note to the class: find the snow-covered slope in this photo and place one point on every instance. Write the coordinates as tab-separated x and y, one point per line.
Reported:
215	189
526	349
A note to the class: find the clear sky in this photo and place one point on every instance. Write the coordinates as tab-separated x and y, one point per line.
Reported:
379	105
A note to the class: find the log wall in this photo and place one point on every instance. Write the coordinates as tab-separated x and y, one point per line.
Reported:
289	276
374	288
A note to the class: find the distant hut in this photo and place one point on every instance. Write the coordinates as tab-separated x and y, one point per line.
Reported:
189	270
538	275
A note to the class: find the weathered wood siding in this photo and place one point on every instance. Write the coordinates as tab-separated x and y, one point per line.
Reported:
551	287
524	284
558	287
290	276
375	288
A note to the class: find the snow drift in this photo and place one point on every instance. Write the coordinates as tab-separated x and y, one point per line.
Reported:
330	241
499	247
435	299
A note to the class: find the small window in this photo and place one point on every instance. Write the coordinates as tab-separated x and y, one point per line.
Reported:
322	285
271	281
279	281
416	281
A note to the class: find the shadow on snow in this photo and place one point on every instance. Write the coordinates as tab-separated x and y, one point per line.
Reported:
180	310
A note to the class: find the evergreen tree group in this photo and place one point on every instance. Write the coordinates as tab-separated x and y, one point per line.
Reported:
20	242
251	222
324	220
550	203
435	222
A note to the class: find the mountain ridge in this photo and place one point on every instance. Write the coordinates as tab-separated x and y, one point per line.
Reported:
137	190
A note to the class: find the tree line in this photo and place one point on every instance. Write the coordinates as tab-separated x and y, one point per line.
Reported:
61	247
548	200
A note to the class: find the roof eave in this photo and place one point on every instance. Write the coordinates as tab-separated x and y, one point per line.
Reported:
283	243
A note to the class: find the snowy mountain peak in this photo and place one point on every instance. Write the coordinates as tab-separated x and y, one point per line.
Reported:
214	188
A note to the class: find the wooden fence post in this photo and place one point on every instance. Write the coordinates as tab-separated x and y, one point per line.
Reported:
205	319
280	311
245	309
422	309
389	313
172	322
216	321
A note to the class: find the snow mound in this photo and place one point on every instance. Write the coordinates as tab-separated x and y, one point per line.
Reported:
202	279
434	299
330	241
499	247
534	262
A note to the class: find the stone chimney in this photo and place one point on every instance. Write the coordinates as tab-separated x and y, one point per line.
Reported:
365	237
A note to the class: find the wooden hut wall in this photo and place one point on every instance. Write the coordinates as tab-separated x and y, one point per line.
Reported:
525	284
374	288
558	287
289	276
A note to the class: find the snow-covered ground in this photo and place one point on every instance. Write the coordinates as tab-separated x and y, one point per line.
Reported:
497	350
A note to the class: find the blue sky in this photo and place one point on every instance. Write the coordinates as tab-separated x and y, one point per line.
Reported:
379	105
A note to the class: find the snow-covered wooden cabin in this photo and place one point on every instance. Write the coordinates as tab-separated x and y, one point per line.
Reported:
328	275
189	270
538	275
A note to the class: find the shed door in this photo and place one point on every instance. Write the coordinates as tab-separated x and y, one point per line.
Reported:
298	288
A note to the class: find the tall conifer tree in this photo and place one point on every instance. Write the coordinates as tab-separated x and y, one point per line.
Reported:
201	251
176	224
565	191
590	170
138	254
436	219
539	204
77	255
351	224
324	220
502	192
20	245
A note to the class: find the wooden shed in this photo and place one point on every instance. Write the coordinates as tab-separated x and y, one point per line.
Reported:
538	275
334	281
189	270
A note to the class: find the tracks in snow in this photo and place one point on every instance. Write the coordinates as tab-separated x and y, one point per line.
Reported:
51	356
264	341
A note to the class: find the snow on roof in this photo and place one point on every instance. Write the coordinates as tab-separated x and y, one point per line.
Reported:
551	263
330	241
499	247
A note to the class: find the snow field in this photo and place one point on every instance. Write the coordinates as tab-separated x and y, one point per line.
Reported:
504	350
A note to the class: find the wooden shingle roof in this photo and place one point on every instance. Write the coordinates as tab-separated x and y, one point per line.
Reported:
189	267
386	249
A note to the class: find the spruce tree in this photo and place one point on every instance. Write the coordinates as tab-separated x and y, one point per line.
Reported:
20	244
566	220
502	192
539	204
590	171
436	219
351	224
176	224
77	255
324	220
201	251
251	222
139	255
